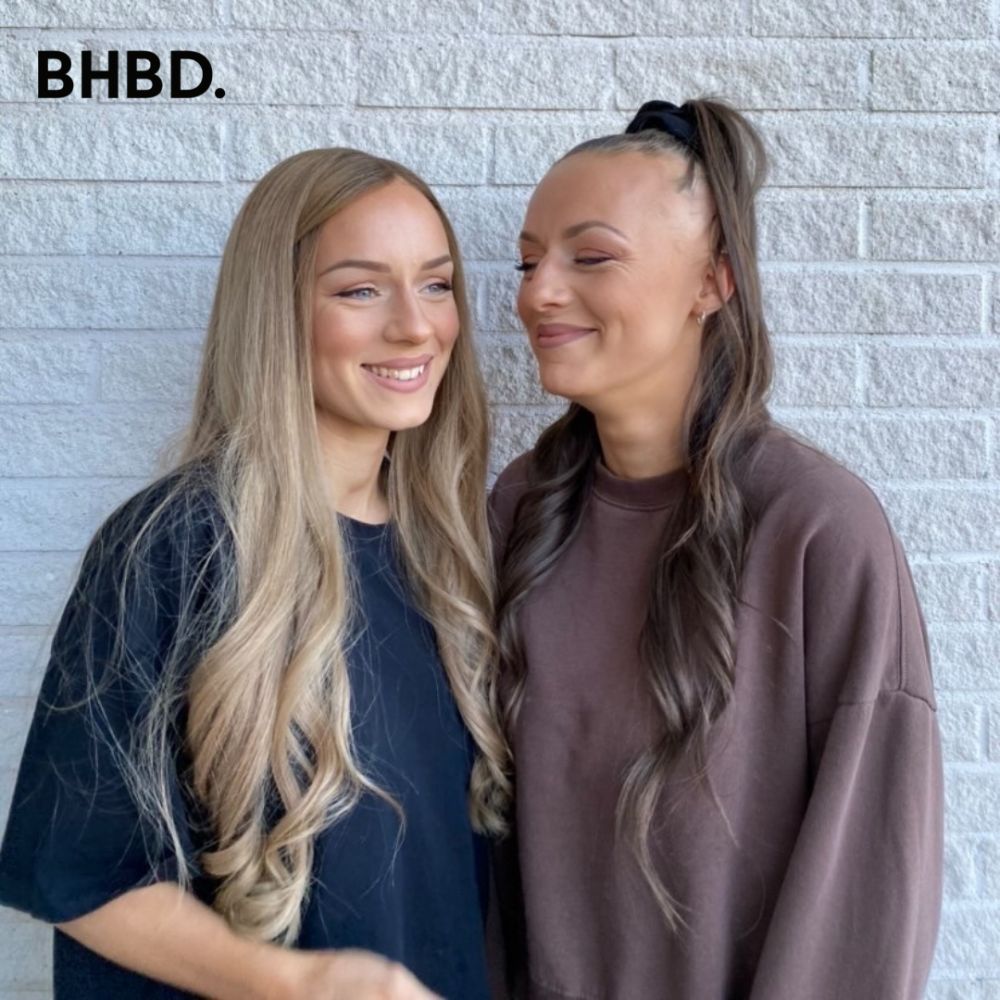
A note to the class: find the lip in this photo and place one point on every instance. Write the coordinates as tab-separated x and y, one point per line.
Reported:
414	385
557	334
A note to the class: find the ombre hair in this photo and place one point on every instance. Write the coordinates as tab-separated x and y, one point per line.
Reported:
688	639
266	700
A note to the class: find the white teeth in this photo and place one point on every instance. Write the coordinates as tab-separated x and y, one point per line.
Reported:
399	374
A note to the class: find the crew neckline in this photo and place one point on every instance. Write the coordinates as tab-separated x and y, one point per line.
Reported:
364	529
651	493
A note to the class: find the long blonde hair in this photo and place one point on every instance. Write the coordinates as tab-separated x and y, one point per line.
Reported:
267	701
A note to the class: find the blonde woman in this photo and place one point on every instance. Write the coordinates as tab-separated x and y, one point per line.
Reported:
266	720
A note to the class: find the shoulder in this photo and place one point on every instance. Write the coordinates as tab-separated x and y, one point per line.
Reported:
813	499
507	491
159	540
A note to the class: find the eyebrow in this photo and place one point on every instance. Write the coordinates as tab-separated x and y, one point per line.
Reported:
374	265
575	230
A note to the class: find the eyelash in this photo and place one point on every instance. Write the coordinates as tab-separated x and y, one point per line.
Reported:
352	293
526	268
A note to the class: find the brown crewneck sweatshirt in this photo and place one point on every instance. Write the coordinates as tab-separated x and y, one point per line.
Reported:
814	872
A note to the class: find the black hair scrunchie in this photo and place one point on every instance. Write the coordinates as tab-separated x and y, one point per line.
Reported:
680	122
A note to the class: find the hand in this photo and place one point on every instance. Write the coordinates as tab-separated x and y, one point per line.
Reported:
355	975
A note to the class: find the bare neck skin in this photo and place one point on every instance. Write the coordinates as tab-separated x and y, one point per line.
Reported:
643	436
351	465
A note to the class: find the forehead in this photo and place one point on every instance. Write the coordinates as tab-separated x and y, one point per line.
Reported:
390	220
615	187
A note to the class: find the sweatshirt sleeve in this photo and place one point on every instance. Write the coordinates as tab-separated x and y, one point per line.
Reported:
857	913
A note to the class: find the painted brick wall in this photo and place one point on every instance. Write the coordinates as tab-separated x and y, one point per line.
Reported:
881	229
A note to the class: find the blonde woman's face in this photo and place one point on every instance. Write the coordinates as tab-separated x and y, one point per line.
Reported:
384	315
616	263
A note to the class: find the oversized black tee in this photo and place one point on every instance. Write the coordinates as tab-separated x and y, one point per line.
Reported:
75	839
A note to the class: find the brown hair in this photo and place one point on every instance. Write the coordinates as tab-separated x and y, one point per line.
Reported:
687	643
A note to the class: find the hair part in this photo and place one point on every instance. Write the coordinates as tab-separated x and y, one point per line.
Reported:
267	698
688	639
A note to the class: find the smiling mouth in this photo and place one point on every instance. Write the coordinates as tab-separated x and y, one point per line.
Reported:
398	374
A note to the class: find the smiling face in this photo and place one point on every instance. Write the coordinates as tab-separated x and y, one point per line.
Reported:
617	265
384	318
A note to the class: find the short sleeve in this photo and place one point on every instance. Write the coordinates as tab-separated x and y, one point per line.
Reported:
75	838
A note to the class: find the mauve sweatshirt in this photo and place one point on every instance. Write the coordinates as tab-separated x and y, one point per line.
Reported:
808	864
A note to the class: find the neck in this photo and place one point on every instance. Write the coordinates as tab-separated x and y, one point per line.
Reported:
637	446
352	459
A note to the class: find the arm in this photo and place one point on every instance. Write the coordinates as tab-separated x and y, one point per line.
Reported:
166	934
858	910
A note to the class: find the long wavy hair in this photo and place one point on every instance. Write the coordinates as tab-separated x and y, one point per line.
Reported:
267	700
687	643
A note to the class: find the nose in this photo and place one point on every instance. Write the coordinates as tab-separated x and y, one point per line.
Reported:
409	320
544	288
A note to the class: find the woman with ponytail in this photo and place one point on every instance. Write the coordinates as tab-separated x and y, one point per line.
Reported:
714	671
264	751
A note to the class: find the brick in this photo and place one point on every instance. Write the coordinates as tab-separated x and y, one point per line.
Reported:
461	73
807	375
517	430
885	302
942	77
873	18
47	370
934	377
96	440
862	153
494	294
23	655
965	658
561	17
256	68
430	16
990	864
34	586
511	373
952	989
950	592
935	229
939	519
960	866
795	226
961	731
972	800
677	17
487	220
750	72
25	949
440	154
155	368
19	76
40	515
101	142
993	593
967	940
15	716
116	295
111	14
994	733
903	448
185	220
44	219
525	153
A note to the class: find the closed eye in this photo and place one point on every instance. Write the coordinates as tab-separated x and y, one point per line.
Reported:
590	261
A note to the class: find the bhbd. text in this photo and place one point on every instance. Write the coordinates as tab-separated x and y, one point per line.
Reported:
142	74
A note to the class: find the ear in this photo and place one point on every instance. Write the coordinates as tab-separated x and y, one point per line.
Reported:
717	285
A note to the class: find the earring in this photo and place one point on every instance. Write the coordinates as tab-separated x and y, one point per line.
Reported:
701	319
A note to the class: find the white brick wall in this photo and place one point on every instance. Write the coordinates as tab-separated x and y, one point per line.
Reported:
880	231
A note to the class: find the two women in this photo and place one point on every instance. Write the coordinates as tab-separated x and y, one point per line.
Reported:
711	664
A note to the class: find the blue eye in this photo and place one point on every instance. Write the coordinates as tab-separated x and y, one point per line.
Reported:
441	287
524	267
357	293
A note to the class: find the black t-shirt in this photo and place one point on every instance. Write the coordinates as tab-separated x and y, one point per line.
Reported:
75	840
